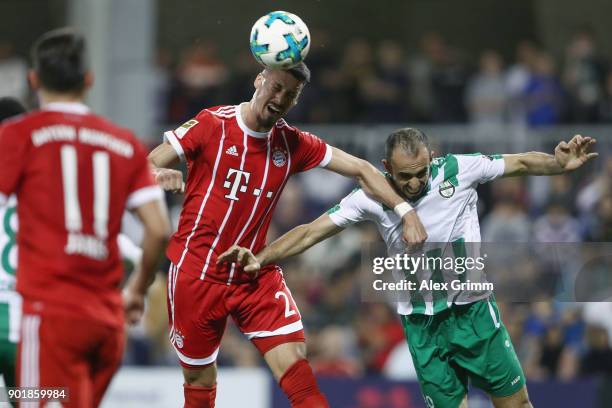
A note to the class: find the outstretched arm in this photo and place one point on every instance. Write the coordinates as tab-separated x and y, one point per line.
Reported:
568	157
294	242
376	186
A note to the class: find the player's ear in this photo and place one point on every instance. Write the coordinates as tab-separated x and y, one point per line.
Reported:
387	165
258	80
88	80
33	79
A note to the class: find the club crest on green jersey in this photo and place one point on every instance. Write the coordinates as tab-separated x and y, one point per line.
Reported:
446	189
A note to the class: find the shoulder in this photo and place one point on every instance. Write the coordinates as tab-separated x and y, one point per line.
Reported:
107	126
358	198
454	163
26	120
218	113
206	119
290	131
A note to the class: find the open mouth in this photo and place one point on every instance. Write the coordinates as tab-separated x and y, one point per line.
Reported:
274	110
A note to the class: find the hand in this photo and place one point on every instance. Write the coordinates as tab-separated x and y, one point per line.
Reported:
243	257
133	305
169	180
574	154
414	233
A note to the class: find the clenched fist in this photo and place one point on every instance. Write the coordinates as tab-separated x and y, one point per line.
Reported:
169	180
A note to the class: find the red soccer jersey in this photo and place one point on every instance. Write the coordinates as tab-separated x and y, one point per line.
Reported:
74	173
236	176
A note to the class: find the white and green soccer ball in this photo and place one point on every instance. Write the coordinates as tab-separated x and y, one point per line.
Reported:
280	40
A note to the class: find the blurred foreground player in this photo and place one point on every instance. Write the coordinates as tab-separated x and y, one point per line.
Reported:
74	173
455	336
239	159
10	301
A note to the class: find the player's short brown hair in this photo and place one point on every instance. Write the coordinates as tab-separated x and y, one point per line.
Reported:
409	139
59	59
301	72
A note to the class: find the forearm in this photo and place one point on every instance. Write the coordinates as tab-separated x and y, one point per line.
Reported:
298	240
154	217
375	184
532	164
152	255
163	156
292	243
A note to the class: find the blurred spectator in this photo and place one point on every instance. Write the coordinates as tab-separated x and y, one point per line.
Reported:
13	73
421	70
556	225
291	208
162	83
379	332
598	358
198	83
599	314
338	303
335	353
507	222
487	96
589	195
543	95
449	78
239	87
550	353
384	91
584	76
600	225
356	66
518	77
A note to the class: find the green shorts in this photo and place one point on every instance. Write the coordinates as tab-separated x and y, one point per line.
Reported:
8	347
467	343
10	314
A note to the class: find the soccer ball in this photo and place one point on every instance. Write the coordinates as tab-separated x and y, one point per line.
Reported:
280	40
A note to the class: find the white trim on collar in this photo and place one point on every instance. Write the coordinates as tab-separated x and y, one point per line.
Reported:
68	107
245	128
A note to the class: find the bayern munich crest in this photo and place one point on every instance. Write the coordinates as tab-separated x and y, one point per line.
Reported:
279	158
178	339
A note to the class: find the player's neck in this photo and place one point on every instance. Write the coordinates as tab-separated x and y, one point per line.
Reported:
47	97
250	119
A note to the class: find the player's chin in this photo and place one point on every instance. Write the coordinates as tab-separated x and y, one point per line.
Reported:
269	119
411	194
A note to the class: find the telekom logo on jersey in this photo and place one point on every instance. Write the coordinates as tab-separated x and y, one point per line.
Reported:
238	180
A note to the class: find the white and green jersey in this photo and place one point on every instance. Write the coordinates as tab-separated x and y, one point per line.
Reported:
448	212
10	301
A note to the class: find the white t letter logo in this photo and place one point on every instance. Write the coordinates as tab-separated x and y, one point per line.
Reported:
235	185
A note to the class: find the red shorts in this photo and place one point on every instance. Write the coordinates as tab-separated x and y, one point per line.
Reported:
64	351
263	310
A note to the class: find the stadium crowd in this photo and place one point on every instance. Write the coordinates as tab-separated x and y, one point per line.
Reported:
382	82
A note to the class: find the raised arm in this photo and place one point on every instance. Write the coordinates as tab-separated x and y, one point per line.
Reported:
294	242
568	157
375	185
